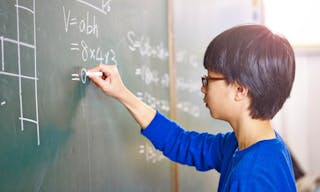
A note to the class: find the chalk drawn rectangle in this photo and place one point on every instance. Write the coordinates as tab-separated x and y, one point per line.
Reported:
10	52
28	99
27	61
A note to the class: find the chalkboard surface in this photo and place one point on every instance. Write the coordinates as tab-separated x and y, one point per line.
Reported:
196	24
58	134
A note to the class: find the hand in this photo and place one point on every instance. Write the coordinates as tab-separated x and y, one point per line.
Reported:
110	82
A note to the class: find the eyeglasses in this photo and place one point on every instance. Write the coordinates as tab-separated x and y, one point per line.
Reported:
205	79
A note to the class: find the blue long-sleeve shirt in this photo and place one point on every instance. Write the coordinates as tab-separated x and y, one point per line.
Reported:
264	166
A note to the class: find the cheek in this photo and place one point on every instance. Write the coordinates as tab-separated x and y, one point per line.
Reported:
218	101
214	101
215	96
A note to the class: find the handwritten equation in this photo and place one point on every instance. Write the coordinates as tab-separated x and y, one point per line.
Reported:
153	101
87	25
94	54
142	44
189	108
189	85
151	76
191	60
151	154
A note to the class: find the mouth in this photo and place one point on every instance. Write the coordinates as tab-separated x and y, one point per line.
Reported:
205	102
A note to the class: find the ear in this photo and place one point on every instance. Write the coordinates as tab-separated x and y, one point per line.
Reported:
241	92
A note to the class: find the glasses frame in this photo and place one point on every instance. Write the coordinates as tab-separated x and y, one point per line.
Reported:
205	79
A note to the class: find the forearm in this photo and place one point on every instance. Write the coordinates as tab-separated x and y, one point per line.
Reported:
141	112
111	84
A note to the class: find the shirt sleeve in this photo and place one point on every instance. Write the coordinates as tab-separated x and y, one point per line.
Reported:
202	150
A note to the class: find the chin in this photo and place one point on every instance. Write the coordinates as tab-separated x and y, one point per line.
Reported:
215	115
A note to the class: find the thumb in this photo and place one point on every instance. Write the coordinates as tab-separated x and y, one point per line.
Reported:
103	82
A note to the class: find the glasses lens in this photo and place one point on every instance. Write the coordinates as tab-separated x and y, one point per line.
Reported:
204	81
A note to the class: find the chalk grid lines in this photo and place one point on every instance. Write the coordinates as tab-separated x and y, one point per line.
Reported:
19	75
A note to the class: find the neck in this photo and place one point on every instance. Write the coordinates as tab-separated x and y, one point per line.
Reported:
250	131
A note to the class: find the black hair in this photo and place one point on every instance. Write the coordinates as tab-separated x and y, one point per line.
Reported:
258	59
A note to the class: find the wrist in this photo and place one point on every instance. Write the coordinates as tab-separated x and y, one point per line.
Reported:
124	95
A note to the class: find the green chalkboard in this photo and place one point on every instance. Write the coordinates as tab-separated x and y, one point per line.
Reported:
196	24
60	134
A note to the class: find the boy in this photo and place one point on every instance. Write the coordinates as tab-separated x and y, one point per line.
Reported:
250	75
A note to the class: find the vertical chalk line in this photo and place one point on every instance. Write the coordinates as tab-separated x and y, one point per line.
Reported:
35	70
19	66
2	52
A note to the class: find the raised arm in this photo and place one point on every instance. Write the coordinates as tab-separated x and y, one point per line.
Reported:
182	146
111	84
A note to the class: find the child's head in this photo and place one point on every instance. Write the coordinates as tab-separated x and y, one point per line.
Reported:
258	59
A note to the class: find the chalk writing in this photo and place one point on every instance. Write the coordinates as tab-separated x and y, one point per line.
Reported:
3	103
87	25
142	44
188	85
189	108
97	55
151	154
154	102
151	76
75	77
188	59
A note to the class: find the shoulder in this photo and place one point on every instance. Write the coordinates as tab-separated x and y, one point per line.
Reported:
269	155
267	164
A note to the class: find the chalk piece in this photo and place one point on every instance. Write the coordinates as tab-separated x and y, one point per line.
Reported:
88	73
84	74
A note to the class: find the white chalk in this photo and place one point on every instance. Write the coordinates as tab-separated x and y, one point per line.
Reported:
74	75
84	74
75	79
95	73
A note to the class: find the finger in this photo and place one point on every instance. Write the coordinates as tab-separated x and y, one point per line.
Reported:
102	68
98	80
96	68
